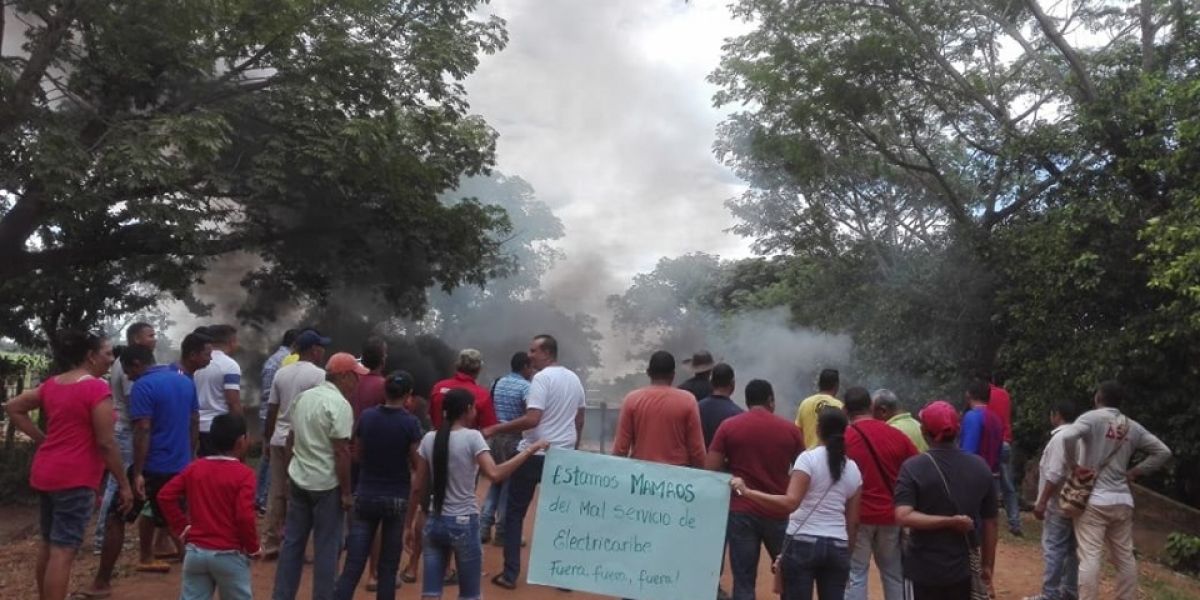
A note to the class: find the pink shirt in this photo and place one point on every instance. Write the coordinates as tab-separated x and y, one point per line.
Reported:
1000	404
69	457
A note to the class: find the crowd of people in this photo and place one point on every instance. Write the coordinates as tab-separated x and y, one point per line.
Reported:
358	464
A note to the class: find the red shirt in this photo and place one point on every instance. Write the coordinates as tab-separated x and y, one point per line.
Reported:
893	448
368	393
220	504
485	412
760	448
69	457
661	424
1001	405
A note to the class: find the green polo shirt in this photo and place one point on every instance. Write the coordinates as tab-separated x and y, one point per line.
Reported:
911	427
319	416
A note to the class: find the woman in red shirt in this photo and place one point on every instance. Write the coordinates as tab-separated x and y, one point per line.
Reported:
72	453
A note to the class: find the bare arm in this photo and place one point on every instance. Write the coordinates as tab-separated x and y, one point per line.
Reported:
195	432
498	473
623	438
907	516
579	416
789	502
529	420
233	399
102	429
341	453
420	481
990	536
269	427
141	447
18	410
714	461
695	441
853	506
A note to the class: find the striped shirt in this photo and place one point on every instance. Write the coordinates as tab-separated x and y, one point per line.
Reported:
508	397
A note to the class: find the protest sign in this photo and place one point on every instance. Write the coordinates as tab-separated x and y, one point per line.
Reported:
629	528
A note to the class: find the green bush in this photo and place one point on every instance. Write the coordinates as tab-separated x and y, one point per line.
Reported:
1183	552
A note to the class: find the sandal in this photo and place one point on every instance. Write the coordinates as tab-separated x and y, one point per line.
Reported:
408	578
156	566
502	581
451	578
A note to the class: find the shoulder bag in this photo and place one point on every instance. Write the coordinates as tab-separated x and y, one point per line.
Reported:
1077	489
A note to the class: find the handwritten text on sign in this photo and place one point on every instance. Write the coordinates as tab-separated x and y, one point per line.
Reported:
628	528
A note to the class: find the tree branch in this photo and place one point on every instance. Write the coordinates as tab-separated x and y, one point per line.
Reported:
1046	24
28	83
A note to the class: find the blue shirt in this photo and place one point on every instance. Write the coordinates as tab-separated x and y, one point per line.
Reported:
983	434
168	399
508	397
713	411
270	368
385	436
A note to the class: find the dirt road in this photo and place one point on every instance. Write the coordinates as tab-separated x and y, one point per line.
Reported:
1019	570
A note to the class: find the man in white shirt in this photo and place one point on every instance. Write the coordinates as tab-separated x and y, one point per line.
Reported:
288	384
554	412
219	385
1109	440
1061	579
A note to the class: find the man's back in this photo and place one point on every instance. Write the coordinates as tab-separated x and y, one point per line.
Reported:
319	416
485	413
1106	431
289	383
168	399
508	397
806	416
983	434
911	428
661	424
761	448
700	387
221	374
1000	402
714	410
939	556
890	449
558	393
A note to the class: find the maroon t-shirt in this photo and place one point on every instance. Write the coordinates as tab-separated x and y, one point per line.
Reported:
760	448
368	393
892	447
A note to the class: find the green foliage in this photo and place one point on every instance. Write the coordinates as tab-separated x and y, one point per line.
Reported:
1183	553
14	475
136	150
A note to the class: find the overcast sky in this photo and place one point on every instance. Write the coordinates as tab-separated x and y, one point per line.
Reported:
602	105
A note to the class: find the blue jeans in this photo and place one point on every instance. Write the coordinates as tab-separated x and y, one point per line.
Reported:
459	535
124	439
318	513
1061	579
385	513
522	485
494	506
1007	491
882	541
208	571
64	516
747	534
820	560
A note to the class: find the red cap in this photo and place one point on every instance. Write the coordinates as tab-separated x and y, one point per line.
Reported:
940	420
343	362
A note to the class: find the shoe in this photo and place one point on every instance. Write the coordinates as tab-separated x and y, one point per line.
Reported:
502	581
451	578
1017	533
723	595
407	578
270	553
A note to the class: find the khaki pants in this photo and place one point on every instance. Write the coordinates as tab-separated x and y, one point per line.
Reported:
277	496
1101	527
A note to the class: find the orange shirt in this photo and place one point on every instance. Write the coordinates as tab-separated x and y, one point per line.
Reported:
660	424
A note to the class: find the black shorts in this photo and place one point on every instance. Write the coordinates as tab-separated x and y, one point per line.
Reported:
154	484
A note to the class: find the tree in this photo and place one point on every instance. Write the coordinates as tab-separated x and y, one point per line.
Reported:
319	135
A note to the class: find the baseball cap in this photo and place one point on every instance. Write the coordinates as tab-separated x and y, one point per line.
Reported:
940	420
309	338
344	362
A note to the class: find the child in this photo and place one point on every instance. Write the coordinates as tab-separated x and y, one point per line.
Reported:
219	529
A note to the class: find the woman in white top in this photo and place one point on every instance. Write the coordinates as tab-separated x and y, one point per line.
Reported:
450	459
823	497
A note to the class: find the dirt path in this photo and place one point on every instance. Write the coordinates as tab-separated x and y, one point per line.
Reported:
1018	574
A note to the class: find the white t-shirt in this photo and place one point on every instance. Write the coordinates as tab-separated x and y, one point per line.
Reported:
462	469
121	386
823	517
558	393
289	383
223	373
